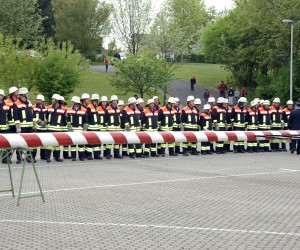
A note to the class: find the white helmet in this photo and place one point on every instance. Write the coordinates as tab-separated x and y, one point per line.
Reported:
1	92
197	101
257	100
113	98
85	96
277	100
40	97
207	106
12	90
23	91
62	98
76	99
190	98
171	100
211	99
121	103
261	101
95	97
155	97
290	102
176	99
131	100
243	99
220	100
266	102
150	101
104	98
254	103
139	100
226	100
56	97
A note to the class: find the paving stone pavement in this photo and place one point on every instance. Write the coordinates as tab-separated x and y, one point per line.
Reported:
233	201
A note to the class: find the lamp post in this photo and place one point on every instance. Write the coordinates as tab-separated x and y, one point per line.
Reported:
291	66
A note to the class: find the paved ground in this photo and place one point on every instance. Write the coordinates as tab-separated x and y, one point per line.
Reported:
245	201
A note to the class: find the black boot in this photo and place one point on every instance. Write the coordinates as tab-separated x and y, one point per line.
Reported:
117	154
235	149
107	154
171	152
194	151
163	152
97	155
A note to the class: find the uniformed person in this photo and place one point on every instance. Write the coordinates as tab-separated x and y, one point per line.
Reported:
13	95
285	117
101	109
294	124
4	121
177	122
252	125
264	123
219	122
205	123
277	123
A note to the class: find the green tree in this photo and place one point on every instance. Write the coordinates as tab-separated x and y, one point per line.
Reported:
83	22
20	19
131	21
143	73
60	69
48	17
112	48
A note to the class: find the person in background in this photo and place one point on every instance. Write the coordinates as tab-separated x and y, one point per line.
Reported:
222	89
243	92
106	62
230	96
193	82
237	95
206	95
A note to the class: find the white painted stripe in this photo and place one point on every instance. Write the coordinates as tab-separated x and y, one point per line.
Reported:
156	137
47	139
105	137
222	136
155	182
151	226
201	137
77	138
16	141
131	137
179	137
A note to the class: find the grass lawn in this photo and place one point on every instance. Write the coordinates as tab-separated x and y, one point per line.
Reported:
97	82
206	74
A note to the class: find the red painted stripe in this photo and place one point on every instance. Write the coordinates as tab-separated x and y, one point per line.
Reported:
268	135
144	137
4	143
211	136
168	137
63	139
190	136
119	138
91	138
251	136
231	136
32	140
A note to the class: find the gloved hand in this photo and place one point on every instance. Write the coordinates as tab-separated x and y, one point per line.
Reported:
70	128
127	128
205	129
18	128
34	126
43	124
217	127
85	127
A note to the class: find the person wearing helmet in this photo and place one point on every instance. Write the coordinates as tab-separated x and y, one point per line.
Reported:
4	122
85	100
197	104
252	125
140	104
177	122
219	122
277	123
205	123
113	121
212	102
57	121
294	124
77	122
285	117
156	103
239	123
23	115
150	124
13	95
228	111
93	120
101	109
165	121
131	121
189	119
121	106
264	123
39	116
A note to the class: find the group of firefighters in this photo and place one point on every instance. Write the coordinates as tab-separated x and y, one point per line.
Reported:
92	113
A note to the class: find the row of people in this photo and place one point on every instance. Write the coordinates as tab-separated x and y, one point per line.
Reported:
101	114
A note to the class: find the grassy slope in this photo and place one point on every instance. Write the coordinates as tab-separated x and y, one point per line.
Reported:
206	74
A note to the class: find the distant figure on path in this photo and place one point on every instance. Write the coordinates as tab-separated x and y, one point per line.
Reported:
193	82
230	96
106	62
206	95
222	89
